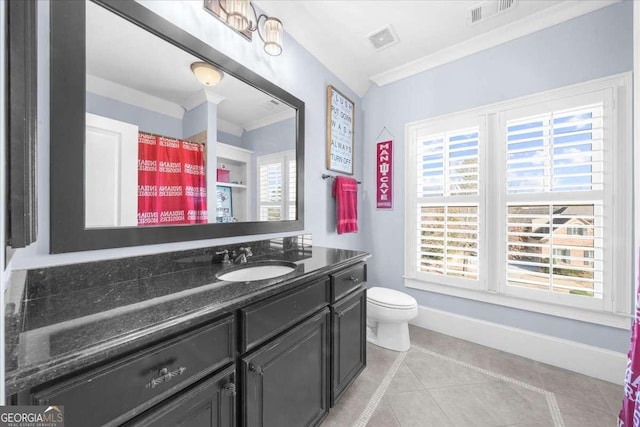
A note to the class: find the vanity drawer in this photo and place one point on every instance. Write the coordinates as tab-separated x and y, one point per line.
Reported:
265	319
345	281
116	392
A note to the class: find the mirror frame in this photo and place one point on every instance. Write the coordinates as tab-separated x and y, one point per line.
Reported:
67	121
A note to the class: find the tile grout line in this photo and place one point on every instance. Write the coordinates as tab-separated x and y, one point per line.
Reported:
428	391
377	396
552	403
393	414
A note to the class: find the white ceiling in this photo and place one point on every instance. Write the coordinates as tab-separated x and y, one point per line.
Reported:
430	32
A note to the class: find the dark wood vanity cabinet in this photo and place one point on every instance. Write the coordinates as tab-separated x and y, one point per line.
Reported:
281	361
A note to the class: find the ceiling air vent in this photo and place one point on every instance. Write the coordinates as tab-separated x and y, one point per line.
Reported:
487	9
272	105
505	4
476	14
383	38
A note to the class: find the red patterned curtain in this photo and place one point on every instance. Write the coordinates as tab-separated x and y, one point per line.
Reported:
630	412
172	187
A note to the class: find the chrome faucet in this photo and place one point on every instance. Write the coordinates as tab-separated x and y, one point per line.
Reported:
241	256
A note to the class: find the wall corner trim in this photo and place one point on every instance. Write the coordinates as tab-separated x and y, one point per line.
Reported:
595	362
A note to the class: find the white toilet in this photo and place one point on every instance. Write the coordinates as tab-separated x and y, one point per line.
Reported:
388	315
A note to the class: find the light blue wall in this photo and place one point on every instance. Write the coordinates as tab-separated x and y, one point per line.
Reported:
227	138
274	138
195	120
588	47
192	123
284	71
148	121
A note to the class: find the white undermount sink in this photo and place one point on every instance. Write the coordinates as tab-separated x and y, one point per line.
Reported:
257	271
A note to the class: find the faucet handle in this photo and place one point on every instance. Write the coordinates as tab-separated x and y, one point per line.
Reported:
225	258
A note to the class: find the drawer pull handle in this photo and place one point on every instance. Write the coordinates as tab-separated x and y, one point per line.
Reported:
255	369
165	376
354	279
230	389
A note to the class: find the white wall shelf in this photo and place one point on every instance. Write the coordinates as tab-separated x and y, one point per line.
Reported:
238	162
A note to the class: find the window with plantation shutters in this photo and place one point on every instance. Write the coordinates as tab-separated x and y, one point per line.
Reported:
276	186
555	200
527	203
447	203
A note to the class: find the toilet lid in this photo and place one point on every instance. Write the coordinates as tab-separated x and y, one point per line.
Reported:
389	298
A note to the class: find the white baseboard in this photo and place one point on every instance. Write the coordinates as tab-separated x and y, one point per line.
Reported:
585	359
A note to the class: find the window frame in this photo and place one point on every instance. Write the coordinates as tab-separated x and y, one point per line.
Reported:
616	305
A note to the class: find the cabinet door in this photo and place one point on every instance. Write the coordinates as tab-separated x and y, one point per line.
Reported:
349	352
286	382
211	403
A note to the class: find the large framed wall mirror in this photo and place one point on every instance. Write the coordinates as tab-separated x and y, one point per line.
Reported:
148	122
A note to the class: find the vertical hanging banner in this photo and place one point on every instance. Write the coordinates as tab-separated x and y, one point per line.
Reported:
384	175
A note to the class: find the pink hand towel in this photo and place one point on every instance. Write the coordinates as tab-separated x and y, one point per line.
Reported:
345	190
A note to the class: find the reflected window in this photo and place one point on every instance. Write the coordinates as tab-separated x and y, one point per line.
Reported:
277	186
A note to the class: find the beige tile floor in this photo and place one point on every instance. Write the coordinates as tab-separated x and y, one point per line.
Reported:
445	381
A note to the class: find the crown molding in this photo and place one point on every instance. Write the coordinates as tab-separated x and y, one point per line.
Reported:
551	16
200	97
228	127
213	97
134	97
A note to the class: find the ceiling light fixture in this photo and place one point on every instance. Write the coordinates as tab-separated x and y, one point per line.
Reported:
271	31
206	73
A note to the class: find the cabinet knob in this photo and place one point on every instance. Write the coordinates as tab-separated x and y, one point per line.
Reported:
230	389
354	279
255	369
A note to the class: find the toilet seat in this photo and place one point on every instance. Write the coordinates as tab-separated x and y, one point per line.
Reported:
389	298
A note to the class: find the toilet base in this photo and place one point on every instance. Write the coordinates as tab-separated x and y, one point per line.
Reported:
392	336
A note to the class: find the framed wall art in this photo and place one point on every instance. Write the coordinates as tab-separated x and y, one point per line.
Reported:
340	126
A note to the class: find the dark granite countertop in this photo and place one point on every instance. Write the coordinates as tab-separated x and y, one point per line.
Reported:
62	319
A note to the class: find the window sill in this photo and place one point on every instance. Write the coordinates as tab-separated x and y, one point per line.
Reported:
615	320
